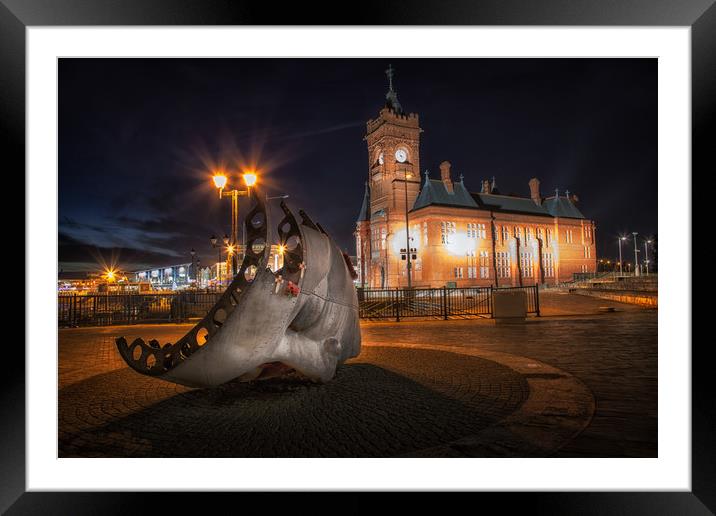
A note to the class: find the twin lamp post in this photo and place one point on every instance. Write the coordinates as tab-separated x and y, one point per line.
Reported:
647	242
231	242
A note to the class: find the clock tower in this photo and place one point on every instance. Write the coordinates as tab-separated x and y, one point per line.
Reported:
393	140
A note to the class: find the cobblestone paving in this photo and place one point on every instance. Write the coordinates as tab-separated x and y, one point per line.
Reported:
614	354
387	402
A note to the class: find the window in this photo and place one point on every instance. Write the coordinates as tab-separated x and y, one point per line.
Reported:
383	237
375	243
587	251
471	269
548	263
425	233
588	234
568	236
475	230
505	233
548	238
447	229
528	234
503	265
540	234
526	265
458	272
417	269
484	264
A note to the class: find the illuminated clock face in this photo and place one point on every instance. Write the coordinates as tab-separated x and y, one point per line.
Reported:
401	155
380	158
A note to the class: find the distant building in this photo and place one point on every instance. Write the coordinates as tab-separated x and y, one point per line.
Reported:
458	237
77	282
170	277
183	275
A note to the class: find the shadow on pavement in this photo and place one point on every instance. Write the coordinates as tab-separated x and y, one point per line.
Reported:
366	411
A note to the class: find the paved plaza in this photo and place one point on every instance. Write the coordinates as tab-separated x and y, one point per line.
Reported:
575	382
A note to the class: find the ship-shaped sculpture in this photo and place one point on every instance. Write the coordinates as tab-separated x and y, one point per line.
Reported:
301	319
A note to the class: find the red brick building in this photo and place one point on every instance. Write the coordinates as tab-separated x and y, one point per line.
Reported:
458	237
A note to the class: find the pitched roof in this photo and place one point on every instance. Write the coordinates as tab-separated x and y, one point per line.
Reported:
509	203
365	207
434	192
562	207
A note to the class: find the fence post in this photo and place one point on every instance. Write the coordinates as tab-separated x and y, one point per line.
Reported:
537	300
445	304
397	305
489	301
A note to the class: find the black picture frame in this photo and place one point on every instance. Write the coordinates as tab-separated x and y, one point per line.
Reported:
700	15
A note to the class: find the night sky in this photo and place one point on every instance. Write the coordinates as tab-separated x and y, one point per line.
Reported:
138	139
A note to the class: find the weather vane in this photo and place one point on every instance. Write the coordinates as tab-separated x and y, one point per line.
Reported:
389	72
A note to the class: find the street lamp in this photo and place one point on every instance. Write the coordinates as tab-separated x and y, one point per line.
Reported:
636	259
385	270
407	175
621	270
281	248
193	267
214	243
281	251
647	243
220	182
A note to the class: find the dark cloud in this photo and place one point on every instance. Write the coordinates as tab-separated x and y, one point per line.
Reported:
76	255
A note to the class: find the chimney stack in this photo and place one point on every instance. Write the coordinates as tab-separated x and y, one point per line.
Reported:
534	191
445	175
486	186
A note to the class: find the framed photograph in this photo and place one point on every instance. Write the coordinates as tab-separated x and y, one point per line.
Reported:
291	251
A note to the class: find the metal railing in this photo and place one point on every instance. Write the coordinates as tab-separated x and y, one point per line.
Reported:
396	304
108	309
441	303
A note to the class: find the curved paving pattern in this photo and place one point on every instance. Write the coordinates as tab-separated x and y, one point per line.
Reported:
387	402
104	407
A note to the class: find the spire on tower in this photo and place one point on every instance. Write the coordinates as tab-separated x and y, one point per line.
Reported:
391	98
365	207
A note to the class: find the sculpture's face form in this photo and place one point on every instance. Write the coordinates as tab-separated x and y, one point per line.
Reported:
303	318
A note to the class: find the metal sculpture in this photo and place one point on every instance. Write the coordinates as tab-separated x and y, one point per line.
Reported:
300	320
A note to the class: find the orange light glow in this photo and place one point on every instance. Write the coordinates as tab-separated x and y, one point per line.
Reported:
281	249
250	178
220	180
109	276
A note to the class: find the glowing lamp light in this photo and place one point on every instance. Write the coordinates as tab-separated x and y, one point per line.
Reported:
398	241
458	244
220	180
281	249
250	178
